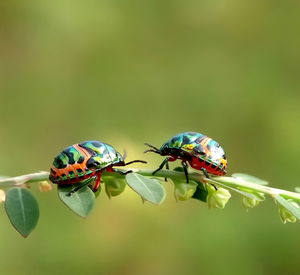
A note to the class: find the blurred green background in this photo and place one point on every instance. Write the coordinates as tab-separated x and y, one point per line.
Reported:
129	72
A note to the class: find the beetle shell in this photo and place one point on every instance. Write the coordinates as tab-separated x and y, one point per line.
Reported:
82	161
199	150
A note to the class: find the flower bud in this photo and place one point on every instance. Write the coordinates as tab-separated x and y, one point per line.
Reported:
217	198
249	203
114	187
183	190
45	186
2	196
286	215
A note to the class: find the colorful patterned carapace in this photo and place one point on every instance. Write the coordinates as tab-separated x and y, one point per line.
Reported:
200	151
85	160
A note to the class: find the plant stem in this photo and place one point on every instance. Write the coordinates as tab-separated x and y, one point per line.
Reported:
227	181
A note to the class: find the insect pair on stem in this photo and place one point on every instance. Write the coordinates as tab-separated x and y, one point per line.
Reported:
83	162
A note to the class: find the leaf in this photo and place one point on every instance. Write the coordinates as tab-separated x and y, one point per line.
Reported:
114	187
245	194
259	196
178	169
81	202
22	210
201	193
249	178
183	190
149	189
288	205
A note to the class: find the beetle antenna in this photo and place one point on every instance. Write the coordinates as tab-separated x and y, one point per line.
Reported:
153	149
151	146
133	161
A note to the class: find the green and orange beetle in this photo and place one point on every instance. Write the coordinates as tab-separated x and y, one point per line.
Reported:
86	161
200	151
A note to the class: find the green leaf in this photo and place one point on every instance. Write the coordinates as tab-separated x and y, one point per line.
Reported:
81	202
258	195
114	187
245	194
178	169
183	190
288	205
201	193
149	189
249	178
22	210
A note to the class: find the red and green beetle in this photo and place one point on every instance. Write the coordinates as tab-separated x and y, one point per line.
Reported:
200	151
86	161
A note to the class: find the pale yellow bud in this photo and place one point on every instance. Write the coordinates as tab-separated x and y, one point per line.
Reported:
217	198
286	215
2	196
250	203
45	186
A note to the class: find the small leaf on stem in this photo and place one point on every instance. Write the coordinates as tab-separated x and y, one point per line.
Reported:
243	193
288	209
22	210
149	189
201	192
249	178
81	202
179	169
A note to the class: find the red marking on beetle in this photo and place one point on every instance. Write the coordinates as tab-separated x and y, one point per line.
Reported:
98	181
73	167
171	158
197	163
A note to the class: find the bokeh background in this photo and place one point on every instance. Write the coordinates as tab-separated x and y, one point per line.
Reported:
129	72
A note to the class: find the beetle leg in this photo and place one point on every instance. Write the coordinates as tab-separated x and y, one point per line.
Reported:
122	173
184	165
77	188
204	172
168	168
161	166
214	186
133	161
207	176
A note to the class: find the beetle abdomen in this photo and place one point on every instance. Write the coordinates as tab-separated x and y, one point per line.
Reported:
70	166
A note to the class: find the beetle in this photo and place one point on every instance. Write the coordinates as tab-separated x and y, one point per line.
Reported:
86	161
200	151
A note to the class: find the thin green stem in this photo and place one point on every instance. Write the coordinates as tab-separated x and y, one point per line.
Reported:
223	181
